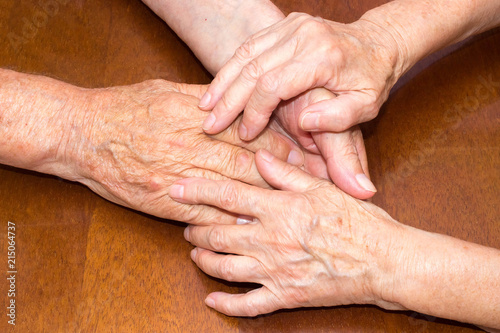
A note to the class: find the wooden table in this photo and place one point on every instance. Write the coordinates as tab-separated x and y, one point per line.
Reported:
85	264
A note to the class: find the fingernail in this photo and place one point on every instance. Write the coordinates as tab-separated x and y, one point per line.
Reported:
194	252
310	121
205	100
243	132
243	220
186	234
176	191
266	156
295	158
210	302
365	183
209	122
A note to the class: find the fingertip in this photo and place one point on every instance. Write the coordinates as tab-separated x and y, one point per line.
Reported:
209	123
176	191
309	121
194	253
265	155
186	233
249	132
210	302
205	101
243	132
296	157
365	183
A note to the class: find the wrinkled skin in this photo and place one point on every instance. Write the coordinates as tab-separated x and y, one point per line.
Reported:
354	61
308	245
133	142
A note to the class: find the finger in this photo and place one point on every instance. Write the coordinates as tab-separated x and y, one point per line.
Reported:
343	162
237	239
228	267
282	175
278	144
340	113
249	50
251	304
230	195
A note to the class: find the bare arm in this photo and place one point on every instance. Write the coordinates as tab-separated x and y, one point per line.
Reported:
214	29
421	27
35	112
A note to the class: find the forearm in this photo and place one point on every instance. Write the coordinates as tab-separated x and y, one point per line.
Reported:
421	27
447	277
35	117
214	29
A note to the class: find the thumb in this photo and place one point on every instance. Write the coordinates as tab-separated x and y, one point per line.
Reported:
340	113
347	165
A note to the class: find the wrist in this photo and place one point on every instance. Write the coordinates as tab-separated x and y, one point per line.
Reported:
386	243
241	15
36	117
394	48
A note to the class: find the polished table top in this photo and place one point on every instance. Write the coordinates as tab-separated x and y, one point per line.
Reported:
85	264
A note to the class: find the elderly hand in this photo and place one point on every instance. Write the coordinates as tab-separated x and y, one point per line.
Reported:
135	141
357	62
308	245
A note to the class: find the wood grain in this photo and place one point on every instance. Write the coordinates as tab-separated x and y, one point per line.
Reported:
87	265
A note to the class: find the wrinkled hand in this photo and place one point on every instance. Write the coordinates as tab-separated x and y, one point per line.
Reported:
307	245
133	142
358	62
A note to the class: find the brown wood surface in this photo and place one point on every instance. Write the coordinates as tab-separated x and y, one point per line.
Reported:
87	265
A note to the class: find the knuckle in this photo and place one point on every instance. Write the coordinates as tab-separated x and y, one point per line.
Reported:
216	239
227	269
252	71
242	164
334	52
298	16
247	50
251	308
229	196
267	84
311	24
